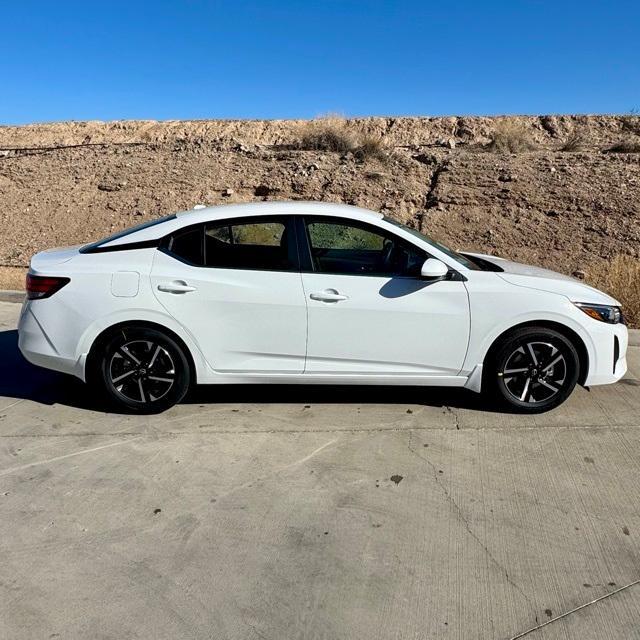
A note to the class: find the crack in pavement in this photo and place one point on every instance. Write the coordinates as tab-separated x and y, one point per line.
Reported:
568	613
465	522
455	415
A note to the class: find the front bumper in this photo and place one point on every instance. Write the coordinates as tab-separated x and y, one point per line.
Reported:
608	357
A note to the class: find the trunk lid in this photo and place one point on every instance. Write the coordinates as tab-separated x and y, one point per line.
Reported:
52	257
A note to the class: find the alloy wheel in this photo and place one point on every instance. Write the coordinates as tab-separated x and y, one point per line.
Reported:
142	371
535	372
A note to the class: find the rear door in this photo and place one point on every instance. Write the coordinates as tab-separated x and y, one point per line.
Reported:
235	286
370	312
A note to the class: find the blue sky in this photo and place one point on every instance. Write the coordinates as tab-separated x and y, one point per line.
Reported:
288	59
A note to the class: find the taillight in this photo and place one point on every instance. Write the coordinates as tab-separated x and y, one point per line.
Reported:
39	287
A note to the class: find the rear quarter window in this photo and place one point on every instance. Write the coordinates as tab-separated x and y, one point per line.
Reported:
187	245
89	248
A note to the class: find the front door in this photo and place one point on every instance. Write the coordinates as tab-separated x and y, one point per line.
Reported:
371	313
235	286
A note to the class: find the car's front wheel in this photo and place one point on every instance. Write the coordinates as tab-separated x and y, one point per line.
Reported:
143	370
534	369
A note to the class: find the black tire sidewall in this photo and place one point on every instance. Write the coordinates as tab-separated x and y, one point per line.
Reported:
182	369
510	344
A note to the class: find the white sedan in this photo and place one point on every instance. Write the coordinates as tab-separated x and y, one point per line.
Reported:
311	293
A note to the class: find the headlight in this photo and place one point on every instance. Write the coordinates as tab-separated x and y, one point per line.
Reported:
602	312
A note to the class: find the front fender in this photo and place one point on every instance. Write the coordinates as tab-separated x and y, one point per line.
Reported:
495	311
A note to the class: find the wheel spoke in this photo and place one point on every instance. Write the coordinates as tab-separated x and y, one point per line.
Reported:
532	353
159	379
548	366
142	396
549	386
155	355
129	355
512	372
123	376
526	389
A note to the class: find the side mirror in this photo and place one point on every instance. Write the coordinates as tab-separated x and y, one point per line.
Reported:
434	269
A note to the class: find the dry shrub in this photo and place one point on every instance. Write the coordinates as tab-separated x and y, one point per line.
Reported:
510	136
371	147
331	133
574	142
620	278
624	146
327	134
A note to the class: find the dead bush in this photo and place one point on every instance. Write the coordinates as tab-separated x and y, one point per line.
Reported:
327	134
624	146
331	133
371	147
510	136
574	142
620	278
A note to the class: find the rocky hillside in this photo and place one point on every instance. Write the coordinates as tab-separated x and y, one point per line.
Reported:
561	192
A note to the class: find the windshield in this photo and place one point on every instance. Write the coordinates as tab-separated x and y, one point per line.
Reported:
467	262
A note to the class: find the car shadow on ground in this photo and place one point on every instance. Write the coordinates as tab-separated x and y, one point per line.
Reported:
21	380
335	394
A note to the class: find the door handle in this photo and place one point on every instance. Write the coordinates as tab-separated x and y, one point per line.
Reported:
175	287
329	295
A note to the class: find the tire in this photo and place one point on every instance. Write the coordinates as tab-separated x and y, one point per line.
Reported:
533	369
142	370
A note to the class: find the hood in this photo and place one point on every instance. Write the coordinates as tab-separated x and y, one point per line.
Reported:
524	275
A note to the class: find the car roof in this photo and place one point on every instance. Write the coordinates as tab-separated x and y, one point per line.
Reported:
222	212
277	208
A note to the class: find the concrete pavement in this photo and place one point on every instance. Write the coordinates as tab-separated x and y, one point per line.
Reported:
316	512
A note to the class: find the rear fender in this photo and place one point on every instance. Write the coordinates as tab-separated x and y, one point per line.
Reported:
132	316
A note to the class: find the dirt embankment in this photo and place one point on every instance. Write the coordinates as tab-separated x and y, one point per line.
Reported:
68	183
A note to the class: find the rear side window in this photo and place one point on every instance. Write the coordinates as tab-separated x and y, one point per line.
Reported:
256	244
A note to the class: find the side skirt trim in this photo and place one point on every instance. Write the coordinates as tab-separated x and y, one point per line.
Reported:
332	379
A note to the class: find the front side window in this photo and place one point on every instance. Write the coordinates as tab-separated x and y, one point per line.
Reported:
261	244
340	246
465	260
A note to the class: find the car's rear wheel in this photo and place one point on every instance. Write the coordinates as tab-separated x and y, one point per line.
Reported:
534	369
143	370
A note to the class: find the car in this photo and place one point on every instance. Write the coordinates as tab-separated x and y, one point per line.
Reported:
311	293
